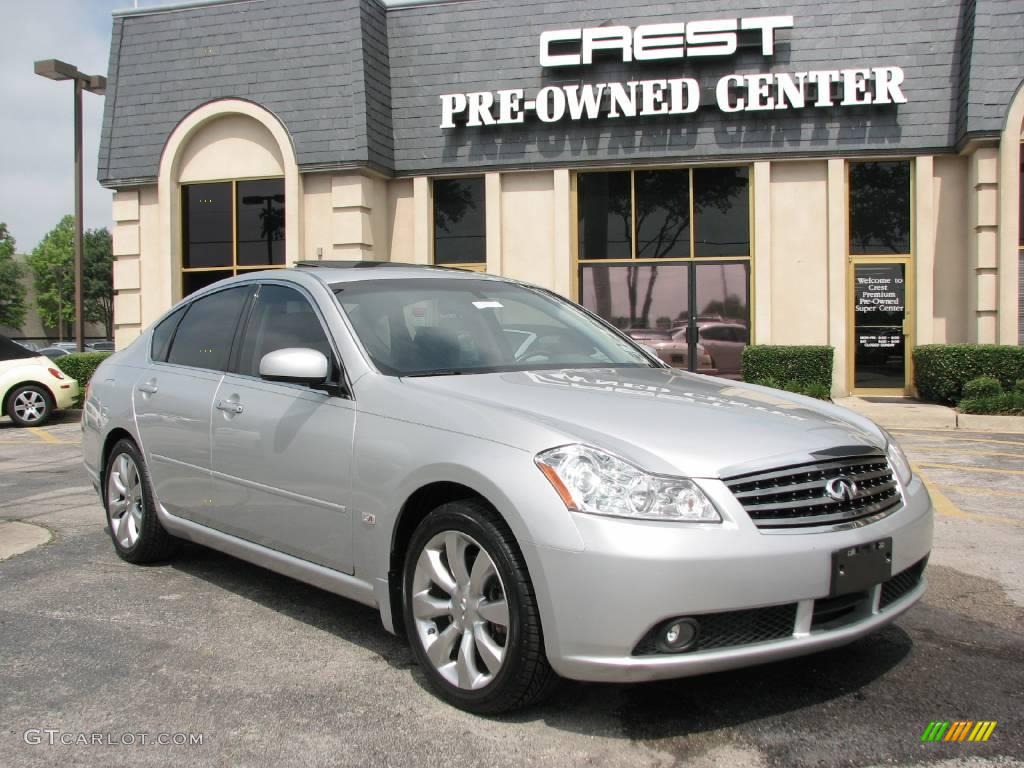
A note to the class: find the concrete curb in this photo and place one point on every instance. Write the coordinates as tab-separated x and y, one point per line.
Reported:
909	414
17	537
980	423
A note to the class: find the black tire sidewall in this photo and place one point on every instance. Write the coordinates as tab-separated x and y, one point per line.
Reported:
456	516
47	398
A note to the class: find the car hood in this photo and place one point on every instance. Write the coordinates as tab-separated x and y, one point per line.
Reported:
667	421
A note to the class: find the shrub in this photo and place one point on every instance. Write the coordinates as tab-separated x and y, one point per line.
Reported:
81	366
1019	387
814	389
1005	403
942	370
794	366
983	386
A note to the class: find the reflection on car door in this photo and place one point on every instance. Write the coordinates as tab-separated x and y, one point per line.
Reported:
173	396
282	452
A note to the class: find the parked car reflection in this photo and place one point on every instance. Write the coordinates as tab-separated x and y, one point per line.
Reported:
671	346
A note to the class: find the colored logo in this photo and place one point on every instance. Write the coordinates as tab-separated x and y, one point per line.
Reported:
841	489
958	730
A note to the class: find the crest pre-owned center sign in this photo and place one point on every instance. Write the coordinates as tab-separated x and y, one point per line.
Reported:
670	96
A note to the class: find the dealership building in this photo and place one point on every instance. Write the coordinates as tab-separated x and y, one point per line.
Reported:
698	173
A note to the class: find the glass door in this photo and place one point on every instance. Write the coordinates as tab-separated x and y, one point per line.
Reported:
694	315
880	337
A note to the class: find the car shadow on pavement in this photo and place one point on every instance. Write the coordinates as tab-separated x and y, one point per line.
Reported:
635	711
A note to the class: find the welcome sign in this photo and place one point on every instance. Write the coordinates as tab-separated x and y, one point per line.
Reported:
670	96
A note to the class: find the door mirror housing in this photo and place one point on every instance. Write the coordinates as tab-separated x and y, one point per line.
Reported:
297	365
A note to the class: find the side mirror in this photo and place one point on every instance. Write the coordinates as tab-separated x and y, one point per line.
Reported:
297	365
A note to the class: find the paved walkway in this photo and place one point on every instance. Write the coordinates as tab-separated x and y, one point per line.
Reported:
904	413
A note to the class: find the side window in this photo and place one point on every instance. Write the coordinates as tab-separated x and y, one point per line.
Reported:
281	317
205	332
163	334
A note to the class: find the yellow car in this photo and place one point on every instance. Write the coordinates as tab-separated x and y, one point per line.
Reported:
32	386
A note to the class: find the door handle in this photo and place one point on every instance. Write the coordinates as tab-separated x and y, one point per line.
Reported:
230	406
150	388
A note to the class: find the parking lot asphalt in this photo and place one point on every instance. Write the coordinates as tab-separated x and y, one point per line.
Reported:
269	671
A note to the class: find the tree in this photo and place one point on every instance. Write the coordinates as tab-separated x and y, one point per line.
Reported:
52	265
98	283
12	291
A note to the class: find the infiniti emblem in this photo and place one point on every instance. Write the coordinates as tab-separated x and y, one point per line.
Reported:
841	489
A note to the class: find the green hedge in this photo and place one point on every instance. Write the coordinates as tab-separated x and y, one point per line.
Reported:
806	370
81	366
985	395
942	370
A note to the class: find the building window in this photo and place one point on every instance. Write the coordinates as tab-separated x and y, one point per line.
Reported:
460	224
665	256
880	208
229	227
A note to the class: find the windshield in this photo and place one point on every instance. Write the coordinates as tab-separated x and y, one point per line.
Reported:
435	326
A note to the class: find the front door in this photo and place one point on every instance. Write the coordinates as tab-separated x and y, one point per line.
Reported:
282	453
881	341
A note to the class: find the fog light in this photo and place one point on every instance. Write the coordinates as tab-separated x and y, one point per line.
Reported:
678	635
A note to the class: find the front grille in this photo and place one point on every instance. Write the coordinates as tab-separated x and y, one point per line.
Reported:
902	583
732	628
795	497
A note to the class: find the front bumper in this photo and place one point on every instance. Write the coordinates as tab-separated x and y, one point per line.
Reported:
600	604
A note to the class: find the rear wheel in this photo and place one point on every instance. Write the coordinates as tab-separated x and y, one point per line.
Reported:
471	612
30	405
134	527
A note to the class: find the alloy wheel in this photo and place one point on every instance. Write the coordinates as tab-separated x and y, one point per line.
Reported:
30	406
460	610
124	500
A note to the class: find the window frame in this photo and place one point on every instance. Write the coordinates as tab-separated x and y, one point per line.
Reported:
338	386
470	266
633	258
234	268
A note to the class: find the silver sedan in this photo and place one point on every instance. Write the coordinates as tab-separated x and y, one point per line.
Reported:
520	489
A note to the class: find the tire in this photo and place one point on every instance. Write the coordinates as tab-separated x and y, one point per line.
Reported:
30	405
500	667
132	522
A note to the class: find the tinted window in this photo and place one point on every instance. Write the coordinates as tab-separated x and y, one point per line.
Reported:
605	215
281	317
880	207
459	222
437	326
721	204
163	334
637	298
205	333
662	214
206	213
260	222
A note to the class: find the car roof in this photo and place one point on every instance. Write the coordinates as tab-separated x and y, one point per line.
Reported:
331	272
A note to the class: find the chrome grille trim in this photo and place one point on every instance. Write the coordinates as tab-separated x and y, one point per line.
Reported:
794	497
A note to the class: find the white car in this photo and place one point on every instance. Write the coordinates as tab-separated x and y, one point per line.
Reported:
32	386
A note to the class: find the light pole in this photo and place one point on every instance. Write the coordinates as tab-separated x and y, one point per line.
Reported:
54	69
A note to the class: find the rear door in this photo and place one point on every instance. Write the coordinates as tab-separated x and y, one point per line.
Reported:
174	395
282	453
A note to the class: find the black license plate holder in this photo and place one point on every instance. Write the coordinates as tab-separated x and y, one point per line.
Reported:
860	567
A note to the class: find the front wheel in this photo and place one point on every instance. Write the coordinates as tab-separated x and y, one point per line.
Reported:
471	612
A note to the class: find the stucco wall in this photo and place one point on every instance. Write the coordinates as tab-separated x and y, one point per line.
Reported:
798	252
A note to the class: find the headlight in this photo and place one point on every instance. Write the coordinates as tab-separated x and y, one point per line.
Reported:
589	480
897	459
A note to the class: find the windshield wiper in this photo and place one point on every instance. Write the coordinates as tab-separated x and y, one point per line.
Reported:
442	372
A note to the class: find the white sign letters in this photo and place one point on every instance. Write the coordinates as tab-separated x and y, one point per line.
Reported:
670	96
